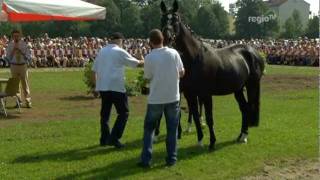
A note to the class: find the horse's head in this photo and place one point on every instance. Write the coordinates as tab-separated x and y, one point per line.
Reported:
170	22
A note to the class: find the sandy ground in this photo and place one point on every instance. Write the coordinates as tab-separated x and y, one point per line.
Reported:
293	169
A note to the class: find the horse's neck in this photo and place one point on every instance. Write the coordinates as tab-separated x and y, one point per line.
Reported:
187	44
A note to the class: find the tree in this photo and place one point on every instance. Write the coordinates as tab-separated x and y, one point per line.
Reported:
297	22
6	28
112	21
289	29
150	17
254	20
293	26
188	10
131	23
312	30
212	21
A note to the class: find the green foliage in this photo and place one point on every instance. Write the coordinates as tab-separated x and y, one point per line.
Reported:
150	17
111	23
133	18
131	23
88	78
246	22
59	137
293	26
133	87
212	21
312	30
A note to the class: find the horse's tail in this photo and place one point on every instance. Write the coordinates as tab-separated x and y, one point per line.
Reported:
257	67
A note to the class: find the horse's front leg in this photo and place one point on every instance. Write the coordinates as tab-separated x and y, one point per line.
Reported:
193	107
207	100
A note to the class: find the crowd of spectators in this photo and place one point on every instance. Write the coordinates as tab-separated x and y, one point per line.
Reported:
299	52
71	52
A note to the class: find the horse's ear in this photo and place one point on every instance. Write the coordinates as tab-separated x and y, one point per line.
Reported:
175	6
163	7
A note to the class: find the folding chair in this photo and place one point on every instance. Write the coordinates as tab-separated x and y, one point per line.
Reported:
11	90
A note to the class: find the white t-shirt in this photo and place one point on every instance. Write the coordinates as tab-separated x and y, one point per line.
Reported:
162	67
109	66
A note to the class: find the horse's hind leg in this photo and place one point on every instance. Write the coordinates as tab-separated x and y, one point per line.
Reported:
253	93
244	108
179	126
209	117
188	130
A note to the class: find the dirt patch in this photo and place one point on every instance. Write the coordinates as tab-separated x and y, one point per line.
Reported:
289	82
289	169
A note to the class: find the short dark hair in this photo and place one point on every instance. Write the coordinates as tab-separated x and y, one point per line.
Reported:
116	35
15	31
156	37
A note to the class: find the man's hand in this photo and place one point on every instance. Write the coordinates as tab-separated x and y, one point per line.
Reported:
141	63
181	73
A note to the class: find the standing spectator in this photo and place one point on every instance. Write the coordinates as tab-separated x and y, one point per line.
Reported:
18	55
163	67
109	77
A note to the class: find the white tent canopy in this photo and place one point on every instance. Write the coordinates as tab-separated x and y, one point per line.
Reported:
47	10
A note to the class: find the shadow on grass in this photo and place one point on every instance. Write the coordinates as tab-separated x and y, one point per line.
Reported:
79	154
10	116
78	98
128	167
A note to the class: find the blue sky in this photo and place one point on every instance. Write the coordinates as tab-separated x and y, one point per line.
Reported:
314	5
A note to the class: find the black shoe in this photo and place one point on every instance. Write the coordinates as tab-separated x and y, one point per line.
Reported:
103	143
170	164
143	165
118	145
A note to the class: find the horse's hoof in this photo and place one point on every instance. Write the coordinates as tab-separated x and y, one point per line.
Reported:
200	143
211	147
243	138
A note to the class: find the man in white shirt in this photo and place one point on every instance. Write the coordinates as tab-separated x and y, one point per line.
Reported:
19	56
163	67
109	69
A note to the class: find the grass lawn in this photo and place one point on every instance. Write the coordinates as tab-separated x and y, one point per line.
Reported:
58	137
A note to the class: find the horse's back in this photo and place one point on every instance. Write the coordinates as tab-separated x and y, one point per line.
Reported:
227	72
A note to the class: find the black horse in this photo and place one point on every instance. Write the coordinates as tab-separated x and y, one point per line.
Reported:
215	72
190	115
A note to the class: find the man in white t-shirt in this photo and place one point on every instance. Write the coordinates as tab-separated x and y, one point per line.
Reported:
109	69
163	67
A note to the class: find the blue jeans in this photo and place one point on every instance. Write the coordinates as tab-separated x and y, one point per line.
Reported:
154	112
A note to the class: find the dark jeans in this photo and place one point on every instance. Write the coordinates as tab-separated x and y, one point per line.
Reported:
154	112
120	101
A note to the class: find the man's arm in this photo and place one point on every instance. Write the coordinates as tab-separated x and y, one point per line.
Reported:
9	53
147	74
180	66
130	60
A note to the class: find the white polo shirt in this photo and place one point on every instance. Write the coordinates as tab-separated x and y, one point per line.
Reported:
162	67
109	66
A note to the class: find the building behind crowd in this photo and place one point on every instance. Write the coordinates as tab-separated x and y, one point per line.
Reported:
284	9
